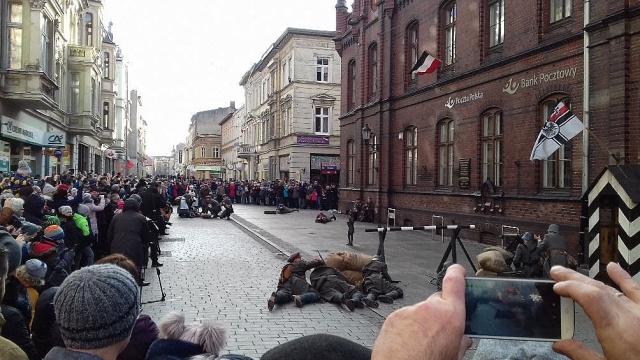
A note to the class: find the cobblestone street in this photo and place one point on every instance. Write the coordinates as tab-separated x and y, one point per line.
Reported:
225	270
215	270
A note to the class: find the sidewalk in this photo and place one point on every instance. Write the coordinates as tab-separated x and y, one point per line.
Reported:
412	256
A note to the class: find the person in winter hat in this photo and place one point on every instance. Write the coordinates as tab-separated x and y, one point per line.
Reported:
8	348
96	308
178	340
31	275
13	209
84	253
21	177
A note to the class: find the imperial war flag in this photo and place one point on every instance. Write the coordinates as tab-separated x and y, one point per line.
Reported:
561	127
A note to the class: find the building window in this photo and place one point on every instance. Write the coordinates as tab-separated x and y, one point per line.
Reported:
411	155
203	152
105	115
15	36
445	152
351	85
556	170
496	23
450	34
373	70
559	9
180	156
75	93
492	147
94	95
321	120
216	152
47	46
412	49
88	27
105	66
373	162
322	69
285	74
351	165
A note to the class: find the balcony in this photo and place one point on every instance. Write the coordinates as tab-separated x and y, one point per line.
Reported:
246	151
106	136
29	89
84	124
84	55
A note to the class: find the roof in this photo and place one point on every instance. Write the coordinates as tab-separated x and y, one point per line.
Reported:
628	176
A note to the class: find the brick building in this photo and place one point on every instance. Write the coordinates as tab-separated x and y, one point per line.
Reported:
456	143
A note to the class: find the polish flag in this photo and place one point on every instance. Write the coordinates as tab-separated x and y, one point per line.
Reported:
426	64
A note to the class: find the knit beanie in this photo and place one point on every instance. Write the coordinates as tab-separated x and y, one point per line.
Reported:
36	268
96	306
86	198
48	189
50	220
83	210
54	232
65	210
30	229
15	253
23	168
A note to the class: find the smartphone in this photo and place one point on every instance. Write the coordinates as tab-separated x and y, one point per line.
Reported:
517	309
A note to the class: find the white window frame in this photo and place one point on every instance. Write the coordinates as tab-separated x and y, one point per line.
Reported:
559	9
215	152
323	70
14	35
492	146
47	45
411	156
556	170
203	152
322	120
450	33
74	90
496	23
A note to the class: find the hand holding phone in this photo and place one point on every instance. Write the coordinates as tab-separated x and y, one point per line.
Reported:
517	308
615	314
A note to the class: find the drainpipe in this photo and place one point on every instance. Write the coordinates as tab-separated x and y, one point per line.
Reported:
585	101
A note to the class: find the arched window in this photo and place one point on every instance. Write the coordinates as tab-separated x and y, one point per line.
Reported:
492	146
445	152
413	43
556	170
351	162
411	155
372	176
450	19
351	85
373	71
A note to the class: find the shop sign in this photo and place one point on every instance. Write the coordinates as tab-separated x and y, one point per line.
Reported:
453	101
207	168
313	140
53	139
512	86
20	131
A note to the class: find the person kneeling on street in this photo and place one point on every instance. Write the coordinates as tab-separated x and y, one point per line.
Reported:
211	207
293	285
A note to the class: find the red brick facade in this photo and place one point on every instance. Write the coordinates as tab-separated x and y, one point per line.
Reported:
536	62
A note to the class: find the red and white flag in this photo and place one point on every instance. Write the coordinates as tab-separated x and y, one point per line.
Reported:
561	127
426	64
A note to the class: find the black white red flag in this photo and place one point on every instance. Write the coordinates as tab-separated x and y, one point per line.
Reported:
426	64
561	127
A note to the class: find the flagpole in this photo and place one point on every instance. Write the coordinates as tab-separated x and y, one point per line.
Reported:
604	146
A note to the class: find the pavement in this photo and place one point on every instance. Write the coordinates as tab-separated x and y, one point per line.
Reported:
216	269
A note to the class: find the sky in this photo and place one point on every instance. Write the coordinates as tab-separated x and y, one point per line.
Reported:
189	56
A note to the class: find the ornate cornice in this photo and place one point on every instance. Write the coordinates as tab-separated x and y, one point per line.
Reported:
37	4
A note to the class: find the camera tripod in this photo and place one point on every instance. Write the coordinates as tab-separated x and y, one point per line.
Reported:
451	249
144	270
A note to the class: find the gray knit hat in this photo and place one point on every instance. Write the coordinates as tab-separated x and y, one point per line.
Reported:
96	306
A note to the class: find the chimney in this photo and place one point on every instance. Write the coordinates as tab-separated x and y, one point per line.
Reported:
341	17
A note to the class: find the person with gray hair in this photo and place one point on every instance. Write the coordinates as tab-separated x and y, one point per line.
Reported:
96	308
8	349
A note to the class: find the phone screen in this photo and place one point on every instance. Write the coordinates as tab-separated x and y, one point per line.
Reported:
509	308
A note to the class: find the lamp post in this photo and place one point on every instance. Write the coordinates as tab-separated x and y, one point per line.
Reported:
371	147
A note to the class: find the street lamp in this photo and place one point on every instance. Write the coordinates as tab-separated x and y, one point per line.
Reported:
366	136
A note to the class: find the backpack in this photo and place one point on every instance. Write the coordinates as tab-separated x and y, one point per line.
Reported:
286	273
